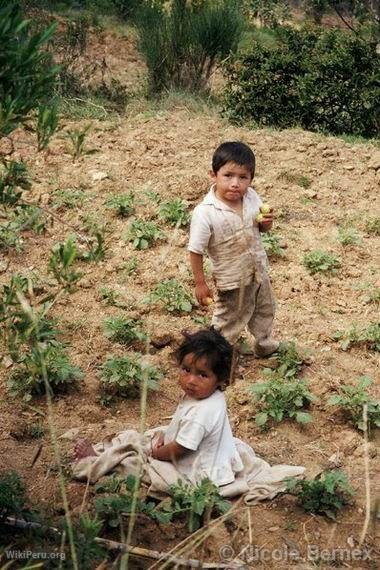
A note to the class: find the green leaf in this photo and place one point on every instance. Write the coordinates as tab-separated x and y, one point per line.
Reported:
303	417
261	418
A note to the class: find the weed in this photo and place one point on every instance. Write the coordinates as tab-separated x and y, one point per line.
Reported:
372	226
109	296
28	217
96	247
124	204
47	124
288	361
319	261
298	179
348	236
78	138
175	212
326	494
368	337
279	399
13	176
197	502
62	259
152	196
125	331
272	244
143	233
352	399
13	499
202	321
372	296
172	296
124	376
113	507
68	198
85	532
130	266
10	236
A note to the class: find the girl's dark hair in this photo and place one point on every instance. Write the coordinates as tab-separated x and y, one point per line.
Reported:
233	151
210	344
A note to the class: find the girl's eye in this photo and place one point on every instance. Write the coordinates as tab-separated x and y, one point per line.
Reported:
185	369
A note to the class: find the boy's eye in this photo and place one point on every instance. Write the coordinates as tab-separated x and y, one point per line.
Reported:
185	369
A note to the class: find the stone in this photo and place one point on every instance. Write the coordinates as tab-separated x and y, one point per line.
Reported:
374	162
70	434
98	176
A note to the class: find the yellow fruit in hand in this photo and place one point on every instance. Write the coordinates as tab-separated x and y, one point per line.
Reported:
265	208
207	301
259	218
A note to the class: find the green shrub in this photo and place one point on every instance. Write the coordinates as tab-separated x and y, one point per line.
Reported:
368	337
124	376
62	258
197	502
13	180
352	400
288	361
143	233
175	212
319	261
348	236
68	198
123	330
325	80
326	494
172	296
272	244
47	124
13	499
182	42
279	399
124	204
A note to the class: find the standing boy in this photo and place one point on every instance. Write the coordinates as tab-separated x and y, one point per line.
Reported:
224	225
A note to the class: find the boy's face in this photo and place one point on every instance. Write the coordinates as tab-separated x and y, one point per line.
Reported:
231	182
196	378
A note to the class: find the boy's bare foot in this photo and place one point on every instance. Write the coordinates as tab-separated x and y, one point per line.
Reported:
83	448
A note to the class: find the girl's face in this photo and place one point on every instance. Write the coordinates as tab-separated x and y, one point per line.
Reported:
196	378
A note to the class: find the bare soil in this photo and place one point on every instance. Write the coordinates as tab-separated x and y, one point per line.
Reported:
168	152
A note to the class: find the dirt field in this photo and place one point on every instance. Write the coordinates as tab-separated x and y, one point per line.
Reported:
168	152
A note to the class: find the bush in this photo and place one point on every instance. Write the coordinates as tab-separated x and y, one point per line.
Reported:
183	44
125	331
321	80
13	499
352	400
319	261
172	296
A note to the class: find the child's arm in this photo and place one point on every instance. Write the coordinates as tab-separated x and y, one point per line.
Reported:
169	452
202	291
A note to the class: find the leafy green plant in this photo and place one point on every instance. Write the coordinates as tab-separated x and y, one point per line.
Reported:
295	178
96	247
29	217
78	139
14	179
109	296
10	236
368	337
143	233
175	212
152	196
124	204
113	507
197	502
13	498
272	244
124	376
279	399
348	236
130	266
62	258
372	226
319	261
288	361
123	330
47	124
271	13
372	295
352	399
172	296
326	494
68	198
86	531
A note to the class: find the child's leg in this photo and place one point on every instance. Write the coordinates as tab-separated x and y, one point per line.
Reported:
233	310
261	321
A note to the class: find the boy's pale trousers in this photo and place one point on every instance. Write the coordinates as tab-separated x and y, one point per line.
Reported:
252	306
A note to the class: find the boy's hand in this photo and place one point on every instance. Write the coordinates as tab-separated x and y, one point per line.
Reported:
202	293
267	222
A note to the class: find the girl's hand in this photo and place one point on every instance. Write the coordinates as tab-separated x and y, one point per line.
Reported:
267	222
202	292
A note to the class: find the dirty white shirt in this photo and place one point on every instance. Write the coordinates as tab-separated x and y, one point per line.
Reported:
232	242
203	427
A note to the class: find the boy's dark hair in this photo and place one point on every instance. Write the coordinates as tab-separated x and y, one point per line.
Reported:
210	344
233	151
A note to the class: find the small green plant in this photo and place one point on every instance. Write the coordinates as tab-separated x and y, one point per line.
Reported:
143	233
62	258
13	499
78	139
130	266
152	196
124	376
123	330
113	507
326	494
288	361
123	204
348	236
96	247
85	532
197	502
14	179
279	399
352	399
172	296
109	296
28	217
174	212
47	124
272	244
319	261
10	236
68	198
202	321
368	337
372	226
298	179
